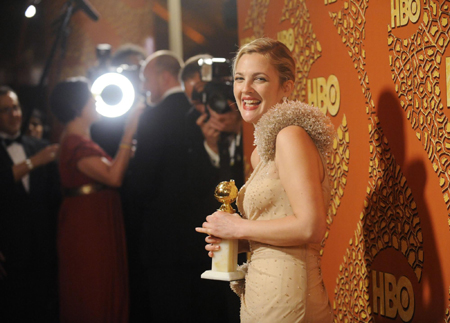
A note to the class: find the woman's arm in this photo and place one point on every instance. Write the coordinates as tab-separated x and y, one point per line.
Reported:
112	173
301	172
104	171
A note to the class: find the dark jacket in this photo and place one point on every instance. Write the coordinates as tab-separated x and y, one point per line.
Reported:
28	234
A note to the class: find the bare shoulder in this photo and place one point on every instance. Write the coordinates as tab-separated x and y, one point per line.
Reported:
295	147
293	136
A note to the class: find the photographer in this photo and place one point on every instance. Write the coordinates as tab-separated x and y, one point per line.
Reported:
214	138
216	117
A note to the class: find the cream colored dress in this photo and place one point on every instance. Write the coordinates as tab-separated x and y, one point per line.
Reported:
282	284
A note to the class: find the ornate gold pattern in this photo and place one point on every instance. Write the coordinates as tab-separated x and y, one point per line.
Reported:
389	217
256	17
415	66
338	165
307	48
447	311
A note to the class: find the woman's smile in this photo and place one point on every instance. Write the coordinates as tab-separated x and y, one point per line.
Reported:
250	104
257	86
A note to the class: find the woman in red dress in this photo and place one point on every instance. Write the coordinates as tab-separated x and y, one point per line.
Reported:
93	273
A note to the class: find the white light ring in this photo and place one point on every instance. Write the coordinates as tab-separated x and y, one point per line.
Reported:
128	94
30	12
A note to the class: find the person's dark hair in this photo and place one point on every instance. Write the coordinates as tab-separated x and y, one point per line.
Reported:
4	90
69	97
123	53
191	67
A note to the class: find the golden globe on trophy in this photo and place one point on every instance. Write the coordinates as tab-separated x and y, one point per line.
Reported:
224	262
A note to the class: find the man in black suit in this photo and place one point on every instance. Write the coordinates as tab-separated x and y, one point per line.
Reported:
29	199
158	209
206	128
213	135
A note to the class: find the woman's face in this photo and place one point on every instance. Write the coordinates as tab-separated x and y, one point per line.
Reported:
257	86
89	111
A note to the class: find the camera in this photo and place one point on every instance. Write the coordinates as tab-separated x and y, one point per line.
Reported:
218	90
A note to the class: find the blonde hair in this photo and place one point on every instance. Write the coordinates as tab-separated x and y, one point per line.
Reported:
275	51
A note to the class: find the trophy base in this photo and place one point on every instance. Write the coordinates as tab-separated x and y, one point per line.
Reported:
224	276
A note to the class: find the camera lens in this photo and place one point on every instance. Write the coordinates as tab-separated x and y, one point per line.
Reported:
218	96
218	102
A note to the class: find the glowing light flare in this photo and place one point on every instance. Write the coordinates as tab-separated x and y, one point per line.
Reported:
30	12
128	94
209	61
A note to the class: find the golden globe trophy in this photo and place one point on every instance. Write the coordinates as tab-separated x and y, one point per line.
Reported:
224	262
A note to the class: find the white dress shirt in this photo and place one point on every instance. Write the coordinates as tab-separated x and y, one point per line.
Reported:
17	154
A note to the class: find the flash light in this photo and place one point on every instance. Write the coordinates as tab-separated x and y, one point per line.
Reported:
114	94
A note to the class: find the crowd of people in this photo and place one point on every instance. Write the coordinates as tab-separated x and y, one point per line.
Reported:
90	237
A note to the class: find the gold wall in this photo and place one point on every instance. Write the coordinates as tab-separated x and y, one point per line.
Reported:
381	71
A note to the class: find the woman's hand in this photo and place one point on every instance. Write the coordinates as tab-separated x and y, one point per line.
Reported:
133	120
223	225
213	244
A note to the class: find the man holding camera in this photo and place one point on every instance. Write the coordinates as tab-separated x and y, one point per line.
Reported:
215	155
217	123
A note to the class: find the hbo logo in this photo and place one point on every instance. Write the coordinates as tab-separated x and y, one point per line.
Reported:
403	11
390	296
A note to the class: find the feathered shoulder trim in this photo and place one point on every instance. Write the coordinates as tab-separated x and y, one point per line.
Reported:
293	113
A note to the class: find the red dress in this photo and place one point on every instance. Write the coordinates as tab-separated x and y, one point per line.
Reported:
93	273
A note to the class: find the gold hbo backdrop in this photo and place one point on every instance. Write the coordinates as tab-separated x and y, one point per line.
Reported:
381	71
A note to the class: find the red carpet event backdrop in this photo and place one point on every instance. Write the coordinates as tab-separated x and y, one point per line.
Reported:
381	71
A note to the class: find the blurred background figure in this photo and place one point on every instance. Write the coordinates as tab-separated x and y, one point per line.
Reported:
29	198
207	129
214	120
93	271
158	208
130	55
36	125
126	60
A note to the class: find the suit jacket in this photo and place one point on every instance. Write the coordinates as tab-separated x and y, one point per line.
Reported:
168	187
202	173
156	186
28	229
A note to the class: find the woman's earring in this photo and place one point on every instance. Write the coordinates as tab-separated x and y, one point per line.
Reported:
284	99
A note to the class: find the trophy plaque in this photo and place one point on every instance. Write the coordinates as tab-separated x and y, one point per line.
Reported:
224	261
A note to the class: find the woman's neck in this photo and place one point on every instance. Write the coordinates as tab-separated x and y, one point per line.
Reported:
78	127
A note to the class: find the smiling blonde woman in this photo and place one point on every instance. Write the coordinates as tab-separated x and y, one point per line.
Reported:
284	202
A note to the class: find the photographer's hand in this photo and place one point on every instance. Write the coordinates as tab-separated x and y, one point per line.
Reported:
227	122
210	133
